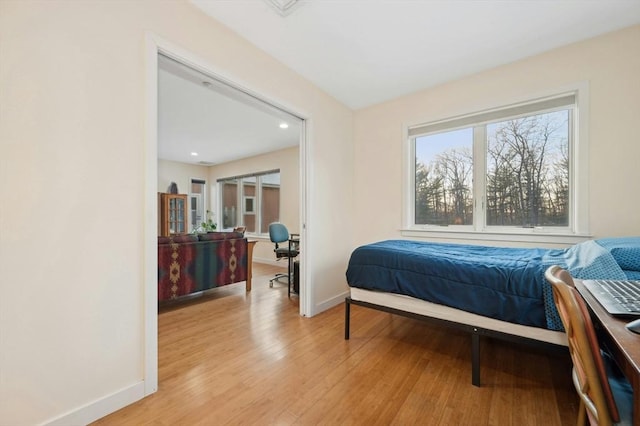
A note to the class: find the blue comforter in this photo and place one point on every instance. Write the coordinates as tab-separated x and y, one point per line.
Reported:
498	282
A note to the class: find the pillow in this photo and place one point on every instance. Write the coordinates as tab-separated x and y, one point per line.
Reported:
632	275
625	250
164	240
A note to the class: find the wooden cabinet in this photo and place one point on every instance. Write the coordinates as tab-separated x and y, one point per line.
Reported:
172	214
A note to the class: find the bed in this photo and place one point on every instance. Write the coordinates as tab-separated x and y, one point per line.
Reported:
488	291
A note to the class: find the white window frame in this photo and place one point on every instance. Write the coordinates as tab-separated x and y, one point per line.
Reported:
202	199
578	229
252	199
257	199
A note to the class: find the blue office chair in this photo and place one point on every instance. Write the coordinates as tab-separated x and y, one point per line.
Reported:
279	234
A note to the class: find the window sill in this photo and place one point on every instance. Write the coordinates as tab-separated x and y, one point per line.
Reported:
534	237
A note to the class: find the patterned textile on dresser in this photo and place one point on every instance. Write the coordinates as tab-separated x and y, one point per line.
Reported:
190	267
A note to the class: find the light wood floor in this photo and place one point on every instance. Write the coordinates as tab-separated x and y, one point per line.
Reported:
231	358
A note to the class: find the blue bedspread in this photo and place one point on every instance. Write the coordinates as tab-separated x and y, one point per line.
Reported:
498	282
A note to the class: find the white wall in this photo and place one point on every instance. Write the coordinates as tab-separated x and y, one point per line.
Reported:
609	64
287	160
72	184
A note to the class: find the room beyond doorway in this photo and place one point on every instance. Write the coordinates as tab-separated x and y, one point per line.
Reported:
214	132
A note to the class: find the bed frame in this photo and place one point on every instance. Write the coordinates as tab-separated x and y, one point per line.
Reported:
475	325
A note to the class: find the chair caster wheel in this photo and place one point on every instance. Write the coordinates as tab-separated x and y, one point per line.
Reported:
271	284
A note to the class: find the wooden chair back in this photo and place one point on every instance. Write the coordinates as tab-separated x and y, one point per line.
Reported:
597	404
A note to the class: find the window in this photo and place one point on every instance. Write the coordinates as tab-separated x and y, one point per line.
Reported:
260	195
229	194
248	219
269	200
249	205
197	202
513	169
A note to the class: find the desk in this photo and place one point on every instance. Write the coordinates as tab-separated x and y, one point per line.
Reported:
250	245
623	344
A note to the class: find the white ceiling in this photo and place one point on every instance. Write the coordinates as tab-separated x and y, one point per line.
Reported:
217	122
364	52
361	52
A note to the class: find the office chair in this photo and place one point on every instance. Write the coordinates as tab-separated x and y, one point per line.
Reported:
279	234
605	396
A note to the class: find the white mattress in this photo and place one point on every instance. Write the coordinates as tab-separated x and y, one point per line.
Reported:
429	309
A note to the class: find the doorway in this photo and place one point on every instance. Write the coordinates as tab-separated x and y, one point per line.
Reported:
155	49
247	149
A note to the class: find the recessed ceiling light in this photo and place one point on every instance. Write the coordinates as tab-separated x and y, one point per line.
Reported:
195	154
206	83
284	125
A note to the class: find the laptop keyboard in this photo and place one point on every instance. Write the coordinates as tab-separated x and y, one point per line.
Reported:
626	293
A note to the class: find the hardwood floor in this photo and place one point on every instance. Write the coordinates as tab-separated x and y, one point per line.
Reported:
231	358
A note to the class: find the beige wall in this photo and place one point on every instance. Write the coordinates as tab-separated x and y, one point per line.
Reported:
287	160
181	174
72	239
609	64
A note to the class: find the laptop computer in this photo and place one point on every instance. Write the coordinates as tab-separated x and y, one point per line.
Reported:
618	297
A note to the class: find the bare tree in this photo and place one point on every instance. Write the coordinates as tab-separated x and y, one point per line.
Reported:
520	161
456	170
527	176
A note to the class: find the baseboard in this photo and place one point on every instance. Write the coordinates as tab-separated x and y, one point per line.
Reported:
330	303
101	407
269	261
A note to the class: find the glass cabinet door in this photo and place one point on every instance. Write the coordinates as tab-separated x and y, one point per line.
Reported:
177	217
173	214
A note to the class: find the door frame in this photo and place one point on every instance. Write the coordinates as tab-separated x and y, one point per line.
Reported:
155	45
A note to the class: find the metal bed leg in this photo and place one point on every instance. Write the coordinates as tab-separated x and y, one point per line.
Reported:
475	357
347	317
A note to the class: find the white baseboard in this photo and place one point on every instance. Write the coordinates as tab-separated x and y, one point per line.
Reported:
270	261
329	303
101	407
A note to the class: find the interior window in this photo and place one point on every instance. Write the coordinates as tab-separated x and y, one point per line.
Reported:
260	206
197	202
